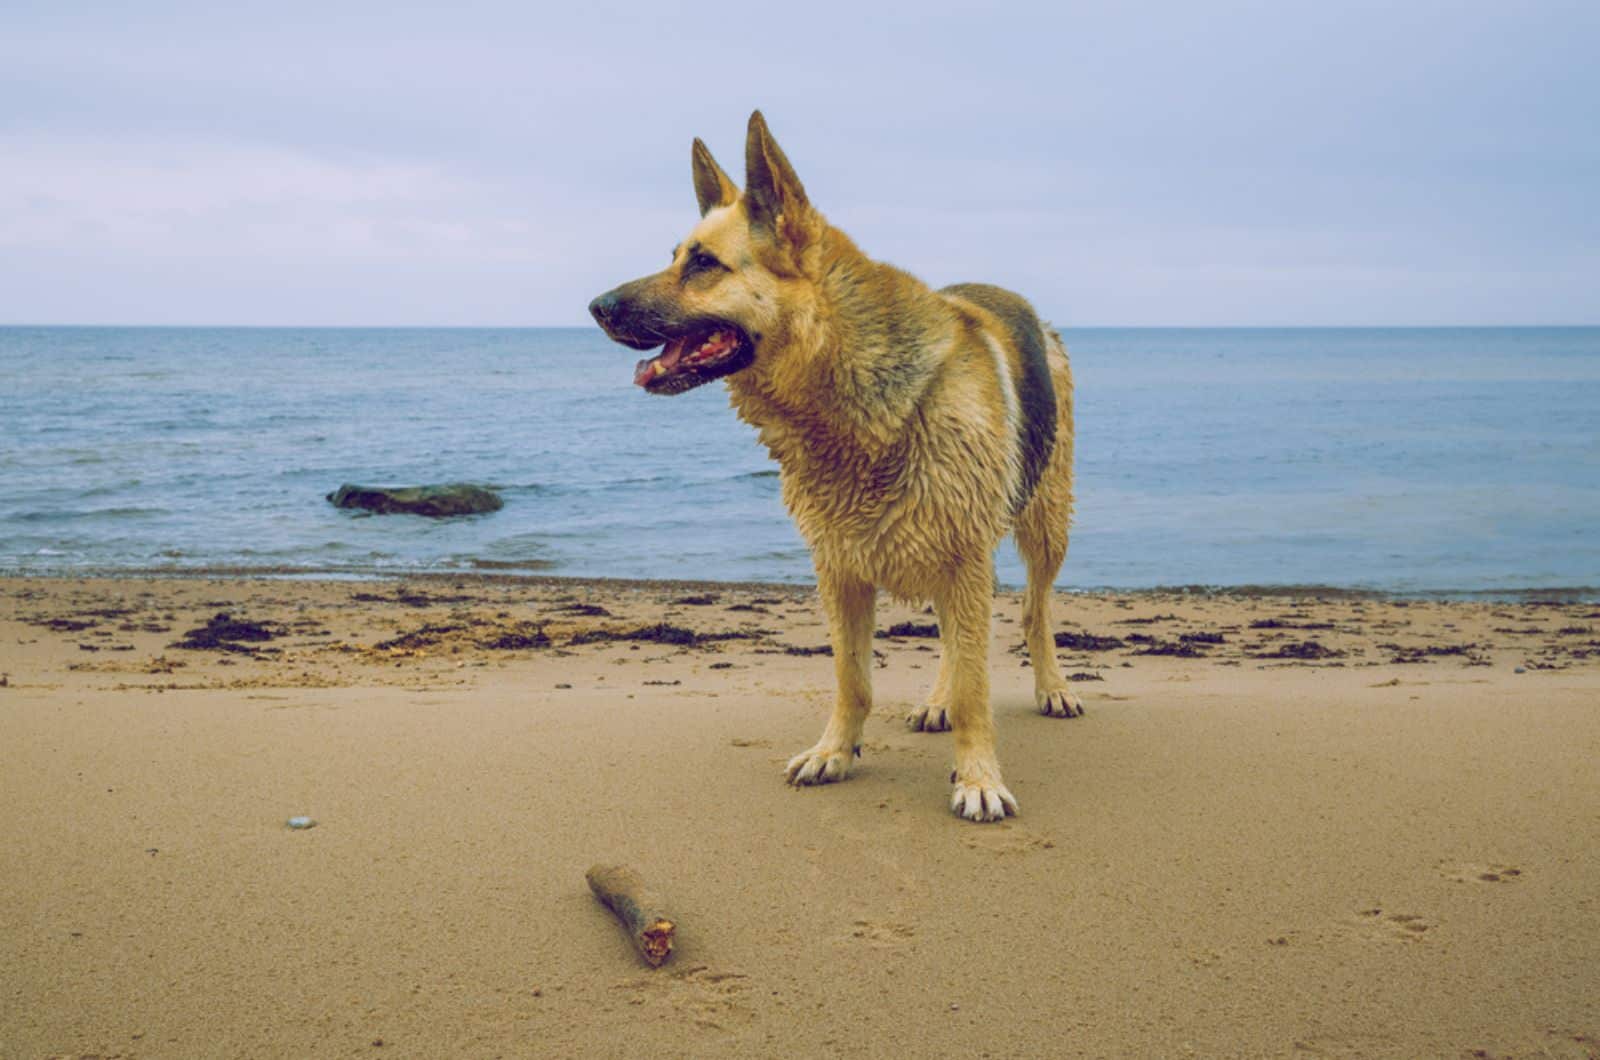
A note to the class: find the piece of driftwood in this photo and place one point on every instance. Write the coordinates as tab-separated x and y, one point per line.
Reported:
638	907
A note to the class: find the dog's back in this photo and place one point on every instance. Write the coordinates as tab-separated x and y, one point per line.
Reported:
1030	374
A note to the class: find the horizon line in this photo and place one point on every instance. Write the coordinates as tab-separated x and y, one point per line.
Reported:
589	327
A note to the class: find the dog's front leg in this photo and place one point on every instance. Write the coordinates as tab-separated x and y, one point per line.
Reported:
849	604
964	610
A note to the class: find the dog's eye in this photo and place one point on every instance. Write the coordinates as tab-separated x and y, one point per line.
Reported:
703	262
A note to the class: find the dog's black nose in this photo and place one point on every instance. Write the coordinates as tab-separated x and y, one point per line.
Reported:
602	308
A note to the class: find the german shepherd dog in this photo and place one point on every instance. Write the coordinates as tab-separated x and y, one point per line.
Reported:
913	429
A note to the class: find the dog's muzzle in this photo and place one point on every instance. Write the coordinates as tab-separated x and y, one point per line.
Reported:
694	352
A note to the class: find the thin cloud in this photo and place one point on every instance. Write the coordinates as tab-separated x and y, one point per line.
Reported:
1140	164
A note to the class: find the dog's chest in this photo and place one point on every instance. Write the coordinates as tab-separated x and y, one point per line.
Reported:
886	521
836	496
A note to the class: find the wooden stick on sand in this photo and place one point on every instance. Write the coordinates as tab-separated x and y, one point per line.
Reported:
639	909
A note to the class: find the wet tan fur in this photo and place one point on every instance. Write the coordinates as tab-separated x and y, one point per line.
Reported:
883	405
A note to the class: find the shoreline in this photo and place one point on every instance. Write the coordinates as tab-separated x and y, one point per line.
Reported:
1344	823
1555	594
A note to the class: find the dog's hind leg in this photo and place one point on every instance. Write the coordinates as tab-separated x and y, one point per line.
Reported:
934	714
849	603
1041	535
964	611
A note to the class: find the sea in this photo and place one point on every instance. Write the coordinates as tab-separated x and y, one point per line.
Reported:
1449	461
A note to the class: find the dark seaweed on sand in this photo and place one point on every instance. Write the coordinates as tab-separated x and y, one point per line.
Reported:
1086	641
413	598
517	637
697	600
223	632
797	649
1308	649
910	629
64	625
586	610
421	637
660	633
1183	649
518	640
1429	652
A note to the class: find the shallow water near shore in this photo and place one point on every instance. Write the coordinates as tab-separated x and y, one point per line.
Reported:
1404	460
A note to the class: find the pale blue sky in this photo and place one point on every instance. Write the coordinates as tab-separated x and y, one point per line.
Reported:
499	164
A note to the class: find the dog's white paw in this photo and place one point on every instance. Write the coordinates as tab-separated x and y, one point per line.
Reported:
823	764
983	801
980	794
929	717
1060	703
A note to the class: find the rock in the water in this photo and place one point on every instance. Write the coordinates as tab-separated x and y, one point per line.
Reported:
436	502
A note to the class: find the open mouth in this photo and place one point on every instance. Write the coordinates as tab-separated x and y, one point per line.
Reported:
704	352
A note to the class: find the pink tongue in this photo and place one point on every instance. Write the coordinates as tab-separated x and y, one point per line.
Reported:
654	368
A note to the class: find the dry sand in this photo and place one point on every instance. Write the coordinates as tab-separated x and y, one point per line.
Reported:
1383	845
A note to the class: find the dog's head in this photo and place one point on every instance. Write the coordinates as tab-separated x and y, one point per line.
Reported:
737	282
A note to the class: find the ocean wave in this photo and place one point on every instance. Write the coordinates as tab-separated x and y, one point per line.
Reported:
110	488
68	515
479	563
334	547
54	457
529	488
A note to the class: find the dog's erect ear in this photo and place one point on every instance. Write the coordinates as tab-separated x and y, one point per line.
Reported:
711	185
773	195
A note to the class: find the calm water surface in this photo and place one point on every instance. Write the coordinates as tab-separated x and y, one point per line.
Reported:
1410	460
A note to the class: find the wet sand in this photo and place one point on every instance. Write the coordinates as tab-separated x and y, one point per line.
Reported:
1287	825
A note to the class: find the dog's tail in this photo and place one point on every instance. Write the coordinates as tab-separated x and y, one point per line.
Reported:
1053	340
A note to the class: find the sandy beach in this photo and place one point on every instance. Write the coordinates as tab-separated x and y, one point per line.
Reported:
1323	825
